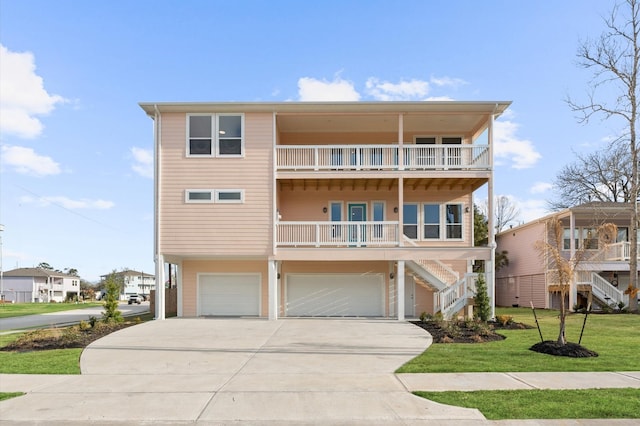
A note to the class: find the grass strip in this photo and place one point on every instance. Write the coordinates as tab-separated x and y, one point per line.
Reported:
9	395
622	403
57	361
8	310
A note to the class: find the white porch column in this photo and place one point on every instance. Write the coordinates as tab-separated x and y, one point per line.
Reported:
573	289
160	294
179	285
400	290
273	290
490	268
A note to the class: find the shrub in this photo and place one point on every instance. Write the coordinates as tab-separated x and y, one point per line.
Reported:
83	325
424	317
505	320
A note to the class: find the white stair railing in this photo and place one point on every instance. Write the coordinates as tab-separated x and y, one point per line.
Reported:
607	293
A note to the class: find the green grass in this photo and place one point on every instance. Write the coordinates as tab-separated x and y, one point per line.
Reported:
8	310
614	337
9	395
546	404
58	361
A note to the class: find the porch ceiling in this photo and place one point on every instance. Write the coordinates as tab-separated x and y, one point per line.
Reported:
456	123
380	184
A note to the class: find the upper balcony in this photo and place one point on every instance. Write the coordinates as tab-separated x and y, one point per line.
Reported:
305	158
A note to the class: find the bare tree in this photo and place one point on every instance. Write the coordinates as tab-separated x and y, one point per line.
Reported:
600	176
614	59
505	211
561	270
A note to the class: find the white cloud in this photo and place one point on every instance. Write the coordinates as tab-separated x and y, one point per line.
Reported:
532	209
404	90
447	81
311	89
69	203
143	164
509	147
540	187
22	95
27	161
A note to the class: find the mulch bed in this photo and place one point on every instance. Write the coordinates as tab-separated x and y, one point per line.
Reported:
466	331
573	350
62	338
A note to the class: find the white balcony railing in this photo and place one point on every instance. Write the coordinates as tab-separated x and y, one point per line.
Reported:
619	251
337	234
382	157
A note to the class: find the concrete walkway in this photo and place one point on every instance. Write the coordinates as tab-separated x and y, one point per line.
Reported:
253	371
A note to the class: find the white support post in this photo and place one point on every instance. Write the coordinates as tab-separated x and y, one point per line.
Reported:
573	289
273	290
400	290
160	293
490	268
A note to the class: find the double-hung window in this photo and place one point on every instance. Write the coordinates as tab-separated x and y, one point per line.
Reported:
454	221
410	217
215	135
431	221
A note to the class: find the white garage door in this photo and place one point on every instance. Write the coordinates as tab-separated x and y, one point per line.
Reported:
228	294
330	295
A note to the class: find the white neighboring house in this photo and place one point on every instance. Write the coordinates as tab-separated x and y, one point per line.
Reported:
38	285
135	282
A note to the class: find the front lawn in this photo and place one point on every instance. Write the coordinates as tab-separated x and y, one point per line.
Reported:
615	337
8	310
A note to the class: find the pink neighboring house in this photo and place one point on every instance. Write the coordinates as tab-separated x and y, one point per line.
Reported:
601	278
320	209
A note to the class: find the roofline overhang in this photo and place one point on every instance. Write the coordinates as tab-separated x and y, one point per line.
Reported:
495	108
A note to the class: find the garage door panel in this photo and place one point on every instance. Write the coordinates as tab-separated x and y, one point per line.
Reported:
335	295
229	295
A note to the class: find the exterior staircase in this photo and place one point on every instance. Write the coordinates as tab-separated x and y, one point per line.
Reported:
451	292
602	290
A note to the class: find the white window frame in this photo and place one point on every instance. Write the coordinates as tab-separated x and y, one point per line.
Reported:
446	224
215	136
219	191
417	224
215	196
190	201
423	223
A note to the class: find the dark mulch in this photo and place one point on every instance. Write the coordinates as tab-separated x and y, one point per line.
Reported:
461	331
63	338
573	350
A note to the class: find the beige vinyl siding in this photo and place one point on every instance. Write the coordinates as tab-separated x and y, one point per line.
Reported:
524	259
191	269
216	228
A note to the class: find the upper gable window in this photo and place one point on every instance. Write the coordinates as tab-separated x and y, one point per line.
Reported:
215	135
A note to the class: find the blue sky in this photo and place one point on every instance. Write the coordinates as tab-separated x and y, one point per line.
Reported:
76	187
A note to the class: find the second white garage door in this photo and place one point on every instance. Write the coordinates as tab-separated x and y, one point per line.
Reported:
330	295
228	294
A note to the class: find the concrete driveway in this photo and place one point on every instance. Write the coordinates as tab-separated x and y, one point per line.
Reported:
221	371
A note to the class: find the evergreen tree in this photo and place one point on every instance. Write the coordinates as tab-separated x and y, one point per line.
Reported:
112	287
483	305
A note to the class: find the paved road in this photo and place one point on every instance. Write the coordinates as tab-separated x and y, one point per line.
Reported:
66	317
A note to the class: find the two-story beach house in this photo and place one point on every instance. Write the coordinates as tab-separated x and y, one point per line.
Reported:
602	275
31	285
134	282
321	209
